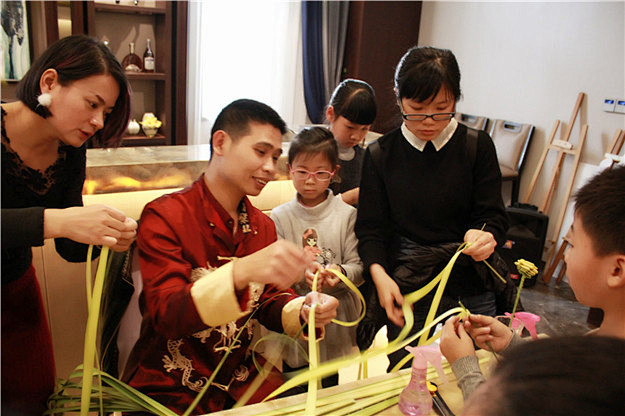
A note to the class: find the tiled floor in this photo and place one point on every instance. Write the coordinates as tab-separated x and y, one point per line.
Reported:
560	312
555	303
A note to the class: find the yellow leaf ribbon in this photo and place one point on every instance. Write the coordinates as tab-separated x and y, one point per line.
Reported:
331	367
354	289
93	301
315	371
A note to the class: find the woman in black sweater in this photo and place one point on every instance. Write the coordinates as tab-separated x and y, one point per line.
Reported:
429	187
75	90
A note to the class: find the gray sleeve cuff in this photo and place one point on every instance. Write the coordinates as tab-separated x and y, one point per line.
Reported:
468	373
514	342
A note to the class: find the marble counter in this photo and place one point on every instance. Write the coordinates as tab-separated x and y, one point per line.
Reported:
126	169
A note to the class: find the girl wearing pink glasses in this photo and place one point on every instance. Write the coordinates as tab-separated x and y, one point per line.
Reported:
318	220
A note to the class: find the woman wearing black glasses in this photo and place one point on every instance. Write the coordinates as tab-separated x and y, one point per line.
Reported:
430	185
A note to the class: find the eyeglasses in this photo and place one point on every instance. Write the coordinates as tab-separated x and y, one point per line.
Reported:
320	175
421	117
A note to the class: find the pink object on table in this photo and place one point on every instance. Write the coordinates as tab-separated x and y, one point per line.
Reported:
527	319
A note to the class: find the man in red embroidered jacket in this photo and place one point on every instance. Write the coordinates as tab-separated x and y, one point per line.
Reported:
208	260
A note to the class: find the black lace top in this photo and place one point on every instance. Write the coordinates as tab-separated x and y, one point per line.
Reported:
26	192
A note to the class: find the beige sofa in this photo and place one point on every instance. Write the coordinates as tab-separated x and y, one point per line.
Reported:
63	283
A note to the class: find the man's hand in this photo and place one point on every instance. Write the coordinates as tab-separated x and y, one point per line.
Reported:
325	310
281	264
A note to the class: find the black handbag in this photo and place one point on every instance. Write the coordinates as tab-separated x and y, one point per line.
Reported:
375	317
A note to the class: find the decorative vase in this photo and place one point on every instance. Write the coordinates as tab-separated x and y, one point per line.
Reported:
150	131
133	127
147	116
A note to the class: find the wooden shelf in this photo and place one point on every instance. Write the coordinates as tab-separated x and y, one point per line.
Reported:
161	92
157	140
118	8
146	76
164	21
143	136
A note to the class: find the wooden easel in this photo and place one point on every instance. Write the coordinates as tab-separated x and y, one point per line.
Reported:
614	148
617	142
577	153
560	146
563	147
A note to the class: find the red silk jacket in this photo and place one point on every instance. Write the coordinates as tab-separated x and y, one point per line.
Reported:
191	310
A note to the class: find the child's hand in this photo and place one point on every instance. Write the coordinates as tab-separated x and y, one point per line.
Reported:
311	270
329	278
325	277
351	197
485	329
325	311
455	342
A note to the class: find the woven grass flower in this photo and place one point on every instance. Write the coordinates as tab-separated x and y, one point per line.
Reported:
527	269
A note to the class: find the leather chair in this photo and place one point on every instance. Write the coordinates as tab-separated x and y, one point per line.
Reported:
476	122
511	141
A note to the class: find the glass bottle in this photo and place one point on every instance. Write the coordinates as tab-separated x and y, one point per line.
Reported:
132	62
148	58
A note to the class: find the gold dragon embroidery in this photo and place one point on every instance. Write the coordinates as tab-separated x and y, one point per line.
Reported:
227	332
177	361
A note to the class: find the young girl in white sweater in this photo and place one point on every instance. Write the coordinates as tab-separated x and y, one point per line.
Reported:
323	224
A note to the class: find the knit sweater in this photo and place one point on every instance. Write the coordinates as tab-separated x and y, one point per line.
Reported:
467	369
328	230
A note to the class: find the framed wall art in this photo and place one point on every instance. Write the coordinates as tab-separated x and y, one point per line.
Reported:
15	40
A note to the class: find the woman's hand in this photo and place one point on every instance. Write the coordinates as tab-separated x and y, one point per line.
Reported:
488	332
281	264
128	235
455	342
482	245
93	224
325	310
390	297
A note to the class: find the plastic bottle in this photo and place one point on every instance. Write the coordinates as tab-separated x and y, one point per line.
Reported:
415	399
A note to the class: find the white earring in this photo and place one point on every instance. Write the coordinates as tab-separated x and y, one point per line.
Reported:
44	99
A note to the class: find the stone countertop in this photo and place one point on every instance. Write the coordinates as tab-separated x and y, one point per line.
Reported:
123	156
126	169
